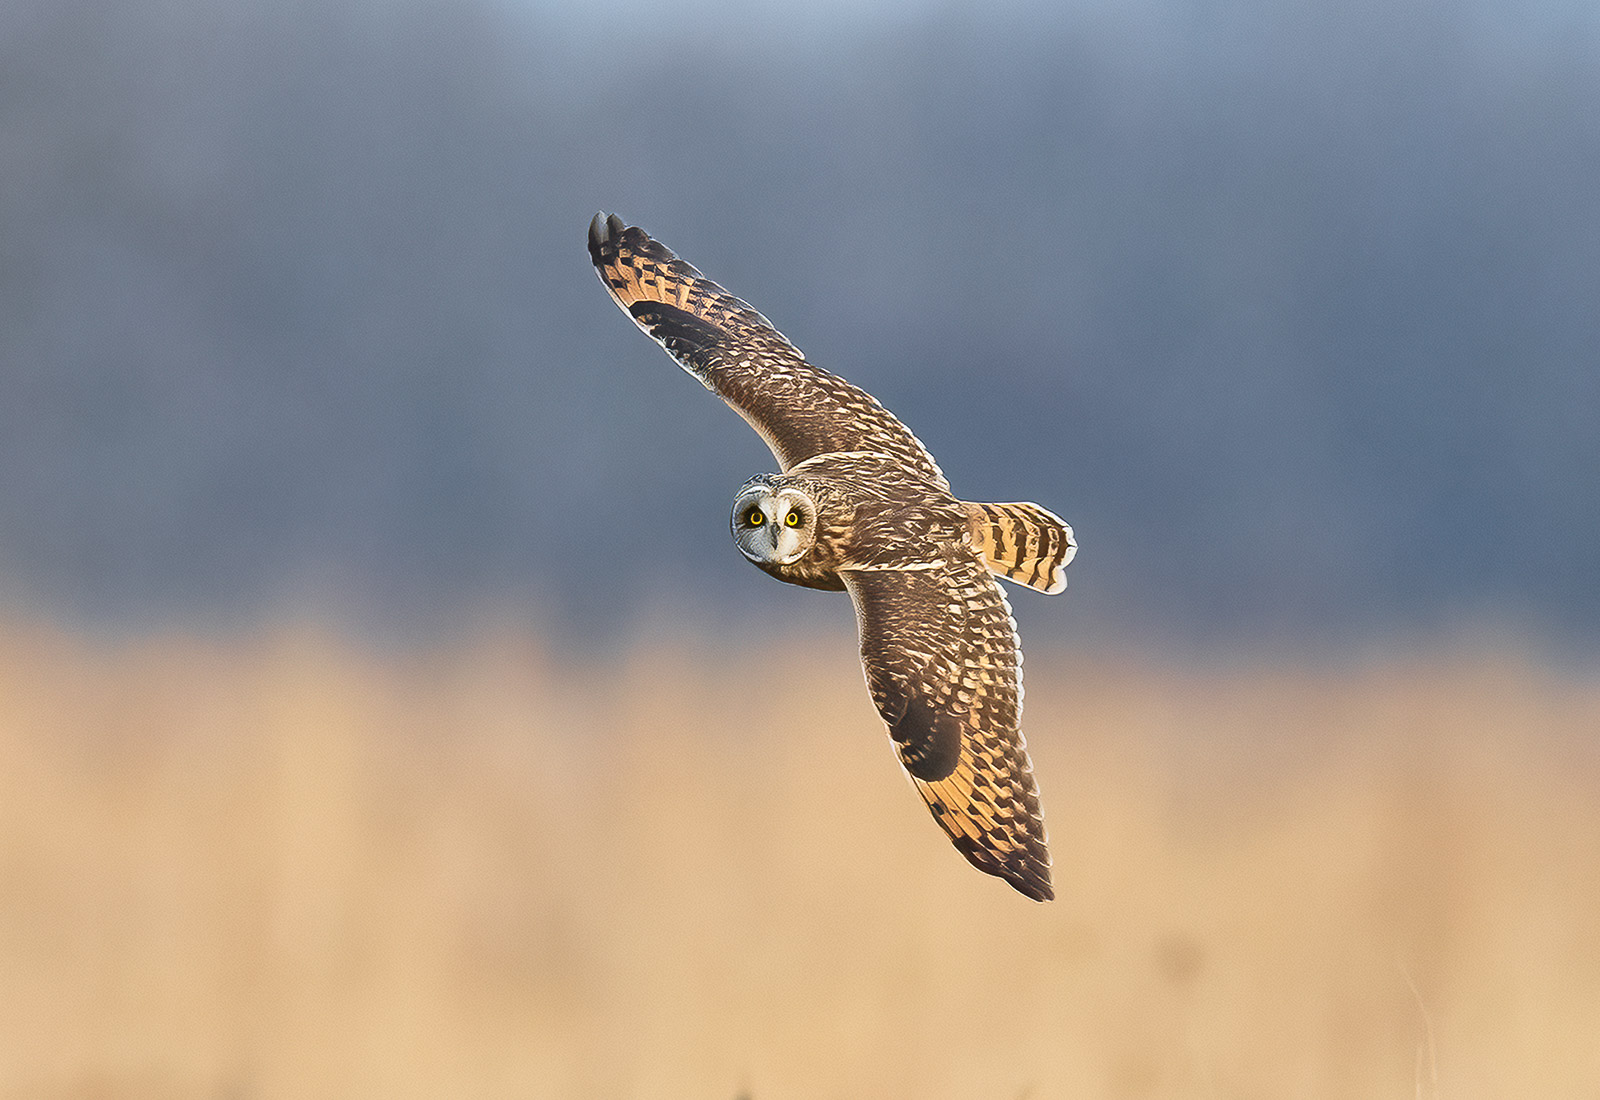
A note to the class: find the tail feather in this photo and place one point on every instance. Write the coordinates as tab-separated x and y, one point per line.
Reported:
1025	543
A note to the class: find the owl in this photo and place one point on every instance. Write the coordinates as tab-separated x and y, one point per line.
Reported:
860	506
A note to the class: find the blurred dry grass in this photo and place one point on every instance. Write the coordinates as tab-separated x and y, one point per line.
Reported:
287	866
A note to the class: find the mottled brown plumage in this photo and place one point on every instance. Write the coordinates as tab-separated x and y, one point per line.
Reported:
861	505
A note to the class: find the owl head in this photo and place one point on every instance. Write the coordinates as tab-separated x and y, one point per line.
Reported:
773	524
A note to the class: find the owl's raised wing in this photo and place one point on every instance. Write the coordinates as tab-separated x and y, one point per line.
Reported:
945	671
799	409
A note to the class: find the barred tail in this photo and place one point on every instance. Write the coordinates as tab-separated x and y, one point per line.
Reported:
1024	543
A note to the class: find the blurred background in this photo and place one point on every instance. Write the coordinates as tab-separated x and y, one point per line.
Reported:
1288	308
373	651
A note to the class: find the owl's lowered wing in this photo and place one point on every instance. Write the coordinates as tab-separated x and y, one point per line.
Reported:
945	671
799	409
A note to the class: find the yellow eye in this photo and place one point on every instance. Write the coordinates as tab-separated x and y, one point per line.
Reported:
792	519
755	518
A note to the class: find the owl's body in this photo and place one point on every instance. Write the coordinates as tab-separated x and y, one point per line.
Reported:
867	520
861	506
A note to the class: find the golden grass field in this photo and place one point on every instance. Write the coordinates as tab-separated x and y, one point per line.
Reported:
293	866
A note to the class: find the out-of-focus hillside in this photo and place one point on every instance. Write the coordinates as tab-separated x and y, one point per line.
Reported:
287	866
1288	307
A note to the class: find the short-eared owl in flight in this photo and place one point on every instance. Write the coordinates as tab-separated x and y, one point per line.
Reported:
861	506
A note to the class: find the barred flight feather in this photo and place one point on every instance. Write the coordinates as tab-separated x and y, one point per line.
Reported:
1025	543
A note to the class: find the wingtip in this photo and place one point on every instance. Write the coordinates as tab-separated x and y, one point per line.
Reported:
1033	882
603	231
1026	871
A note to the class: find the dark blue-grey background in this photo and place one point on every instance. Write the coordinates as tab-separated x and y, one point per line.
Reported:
1292	308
